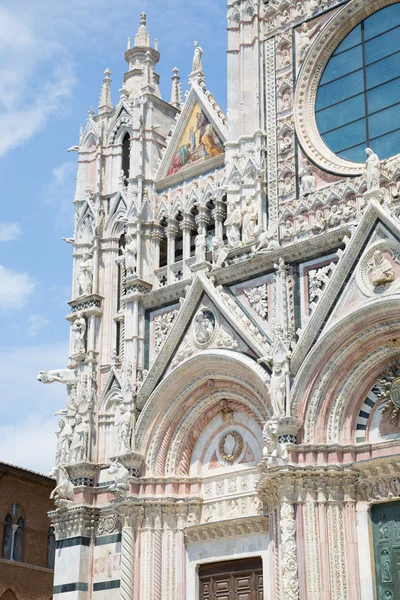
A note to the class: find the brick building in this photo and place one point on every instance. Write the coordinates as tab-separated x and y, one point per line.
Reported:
26	539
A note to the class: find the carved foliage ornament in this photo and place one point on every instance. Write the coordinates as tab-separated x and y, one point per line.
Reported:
257	296
231	446
390	394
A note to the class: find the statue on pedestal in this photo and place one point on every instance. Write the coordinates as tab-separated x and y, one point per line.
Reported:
79	330
85	275
80	439
200	248
250	218
373	167
124	430
233	224
277	390
197	58
63	443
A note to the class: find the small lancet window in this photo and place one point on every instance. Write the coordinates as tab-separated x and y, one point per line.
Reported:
6	551
126	154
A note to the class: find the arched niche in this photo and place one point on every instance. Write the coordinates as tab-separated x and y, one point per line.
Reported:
341	369
222	390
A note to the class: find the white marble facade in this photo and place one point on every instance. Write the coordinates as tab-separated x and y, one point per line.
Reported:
234	328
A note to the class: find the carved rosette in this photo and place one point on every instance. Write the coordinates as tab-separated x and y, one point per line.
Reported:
290	582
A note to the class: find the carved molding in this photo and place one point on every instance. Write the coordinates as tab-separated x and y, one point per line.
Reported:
226	529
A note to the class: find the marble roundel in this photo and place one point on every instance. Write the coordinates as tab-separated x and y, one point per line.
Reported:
230	446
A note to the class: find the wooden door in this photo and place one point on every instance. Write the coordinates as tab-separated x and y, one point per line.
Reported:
233	580
386	532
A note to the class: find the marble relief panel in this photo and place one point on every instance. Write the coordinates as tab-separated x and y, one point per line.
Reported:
256	298
160	323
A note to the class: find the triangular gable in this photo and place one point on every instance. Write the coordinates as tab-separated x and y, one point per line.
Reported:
114	384
122	118
197	142
337	293
200	287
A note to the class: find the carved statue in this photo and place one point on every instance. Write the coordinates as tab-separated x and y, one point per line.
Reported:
335	218
121	475
289	230
64	490
64	436
305	39
124	430
319	221
250	218
200	247
229	445
300	12
232	224
85	275
197	58
67	376
373	167
204	325
307	186
79	330
302	224
286	100
312	7
349	212
268	240
129	253
273	449
219	252
287	184
121	180
277	390
382	271
80	439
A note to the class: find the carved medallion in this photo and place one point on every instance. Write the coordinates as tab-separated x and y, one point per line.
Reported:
390	394
204	327
377	271
395	392
230	446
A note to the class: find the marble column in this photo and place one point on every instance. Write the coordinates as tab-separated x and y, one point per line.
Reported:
186	225
290	581
172	231
219	216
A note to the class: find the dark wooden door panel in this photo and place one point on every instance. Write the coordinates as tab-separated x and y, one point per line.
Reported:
233	580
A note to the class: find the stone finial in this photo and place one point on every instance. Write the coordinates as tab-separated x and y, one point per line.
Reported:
91	112
142	37
105	103
176	93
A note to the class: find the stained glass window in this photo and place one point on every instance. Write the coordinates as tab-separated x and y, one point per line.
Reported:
358	100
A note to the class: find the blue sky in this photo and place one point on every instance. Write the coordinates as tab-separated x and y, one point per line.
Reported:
53	55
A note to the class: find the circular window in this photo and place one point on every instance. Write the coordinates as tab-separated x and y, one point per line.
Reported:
358	99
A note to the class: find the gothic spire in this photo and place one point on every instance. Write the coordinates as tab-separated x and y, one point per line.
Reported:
142	59
105	103
176	93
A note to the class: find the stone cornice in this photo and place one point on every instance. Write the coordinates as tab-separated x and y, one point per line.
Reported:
244	526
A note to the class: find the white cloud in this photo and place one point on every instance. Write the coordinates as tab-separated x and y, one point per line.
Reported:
15	289
30	444
60	193
36	324
9	232
37	79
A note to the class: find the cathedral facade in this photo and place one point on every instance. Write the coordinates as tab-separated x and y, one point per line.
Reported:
232	424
